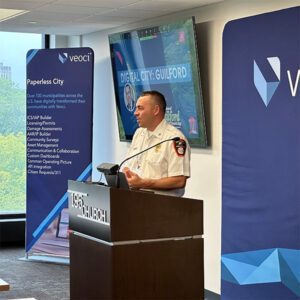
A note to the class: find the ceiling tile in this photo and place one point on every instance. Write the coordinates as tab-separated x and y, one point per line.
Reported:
97	3
70	17
27	5
50	16
130	12
108	19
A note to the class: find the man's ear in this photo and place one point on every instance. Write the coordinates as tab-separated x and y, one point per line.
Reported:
156	109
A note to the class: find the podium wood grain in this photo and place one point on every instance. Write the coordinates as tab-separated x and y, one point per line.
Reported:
158	270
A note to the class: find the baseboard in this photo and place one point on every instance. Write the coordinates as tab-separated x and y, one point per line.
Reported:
12	230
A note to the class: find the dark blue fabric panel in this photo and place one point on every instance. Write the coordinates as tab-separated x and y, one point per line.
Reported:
261	143
59	121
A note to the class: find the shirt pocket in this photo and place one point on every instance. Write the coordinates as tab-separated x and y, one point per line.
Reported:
156	166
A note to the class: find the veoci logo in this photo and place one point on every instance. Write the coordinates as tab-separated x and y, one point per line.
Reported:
267	80
63	57
82	58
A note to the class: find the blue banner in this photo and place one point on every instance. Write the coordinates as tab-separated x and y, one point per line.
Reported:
261	157
59	133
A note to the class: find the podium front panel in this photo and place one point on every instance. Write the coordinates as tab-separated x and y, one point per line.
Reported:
118	215
139	215
147	270
89	209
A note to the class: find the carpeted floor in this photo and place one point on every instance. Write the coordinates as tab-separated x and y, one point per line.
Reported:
39	280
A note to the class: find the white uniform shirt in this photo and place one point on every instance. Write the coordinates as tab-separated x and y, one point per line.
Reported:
161	161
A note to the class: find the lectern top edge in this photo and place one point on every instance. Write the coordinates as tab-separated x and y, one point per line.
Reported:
113	215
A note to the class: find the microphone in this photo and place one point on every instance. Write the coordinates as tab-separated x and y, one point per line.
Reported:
114	169
132	156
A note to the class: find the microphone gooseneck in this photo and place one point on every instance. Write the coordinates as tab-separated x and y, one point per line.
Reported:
134	155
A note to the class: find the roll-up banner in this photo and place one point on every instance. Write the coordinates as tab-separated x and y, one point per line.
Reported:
59	140
261	157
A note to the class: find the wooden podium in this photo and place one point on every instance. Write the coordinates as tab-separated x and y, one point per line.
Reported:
134	245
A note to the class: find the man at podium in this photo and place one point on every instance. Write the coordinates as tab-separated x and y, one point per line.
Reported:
165	167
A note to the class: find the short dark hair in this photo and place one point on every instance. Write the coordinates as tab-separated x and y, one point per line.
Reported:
159	98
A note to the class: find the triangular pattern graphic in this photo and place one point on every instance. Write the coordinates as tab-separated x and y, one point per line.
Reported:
292	258
239	270
268	271
254	258
278	265
287	276
226	275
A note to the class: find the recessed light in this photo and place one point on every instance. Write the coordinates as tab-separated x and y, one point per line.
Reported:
6	14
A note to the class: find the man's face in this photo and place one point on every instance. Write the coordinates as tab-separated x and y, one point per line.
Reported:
145	112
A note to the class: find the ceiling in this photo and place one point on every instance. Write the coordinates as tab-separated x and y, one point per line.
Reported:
76	17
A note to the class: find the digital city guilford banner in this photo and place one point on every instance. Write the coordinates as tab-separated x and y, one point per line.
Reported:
261	157
59	140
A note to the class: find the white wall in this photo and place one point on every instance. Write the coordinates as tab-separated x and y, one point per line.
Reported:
205	182
59	41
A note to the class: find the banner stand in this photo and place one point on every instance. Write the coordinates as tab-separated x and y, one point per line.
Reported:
260	157
59	144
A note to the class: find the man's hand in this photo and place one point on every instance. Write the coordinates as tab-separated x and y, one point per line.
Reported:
133	179
167	183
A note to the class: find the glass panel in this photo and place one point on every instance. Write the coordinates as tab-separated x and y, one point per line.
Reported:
13	49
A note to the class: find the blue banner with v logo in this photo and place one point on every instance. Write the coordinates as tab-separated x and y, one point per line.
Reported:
261	157
59	140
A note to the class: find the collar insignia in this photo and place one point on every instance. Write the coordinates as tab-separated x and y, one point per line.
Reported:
157	148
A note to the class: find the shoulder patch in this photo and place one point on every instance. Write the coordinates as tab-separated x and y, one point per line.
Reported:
179	147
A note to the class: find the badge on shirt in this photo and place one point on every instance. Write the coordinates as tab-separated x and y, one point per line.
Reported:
157	148
180	147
